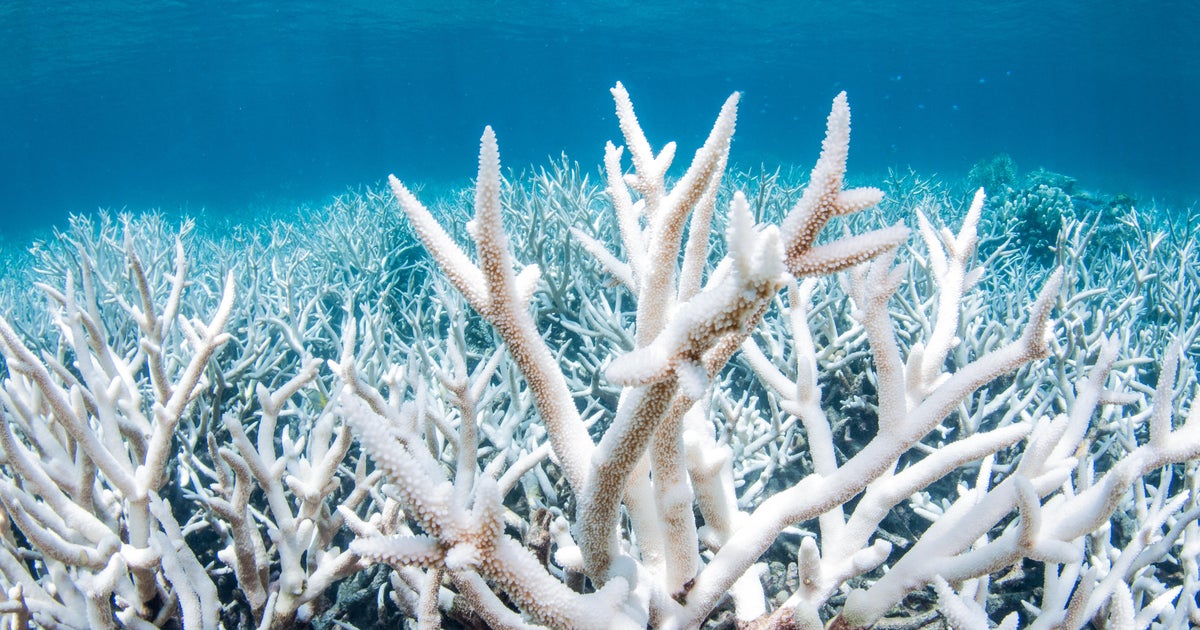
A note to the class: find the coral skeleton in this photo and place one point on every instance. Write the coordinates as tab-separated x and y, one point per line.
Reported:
698	407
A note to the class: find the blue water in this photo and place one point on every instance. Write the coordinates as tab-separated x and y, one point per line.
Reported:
236	107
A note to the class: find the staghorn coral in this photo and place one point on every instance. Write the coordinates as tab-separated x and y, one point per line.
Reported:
519	462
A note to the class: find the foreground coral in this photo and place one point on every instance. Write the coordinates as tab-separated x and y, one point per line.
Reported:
613	442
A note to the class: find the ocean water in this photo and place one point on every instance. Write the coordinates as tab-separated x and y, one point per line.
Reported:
240	107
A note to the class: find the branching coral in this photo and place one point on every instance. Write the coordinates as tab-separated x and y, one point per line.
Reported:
578	423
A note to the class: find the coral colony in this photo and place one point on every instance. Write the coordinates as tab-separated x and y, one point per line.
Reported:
672	403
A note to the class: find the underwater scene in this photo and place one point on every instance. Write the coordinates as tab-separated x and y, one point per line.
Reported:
768	315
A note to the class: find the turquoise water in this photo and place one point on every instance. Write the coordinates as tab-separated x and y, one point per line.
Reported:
234	107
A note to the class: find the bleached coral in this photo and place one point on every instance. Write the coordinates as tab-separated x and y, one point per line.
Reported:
591	422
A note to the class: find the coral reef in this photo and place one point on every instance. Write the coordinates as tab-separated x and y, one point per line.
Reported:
652	402
995	174
1033	208
1037	214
